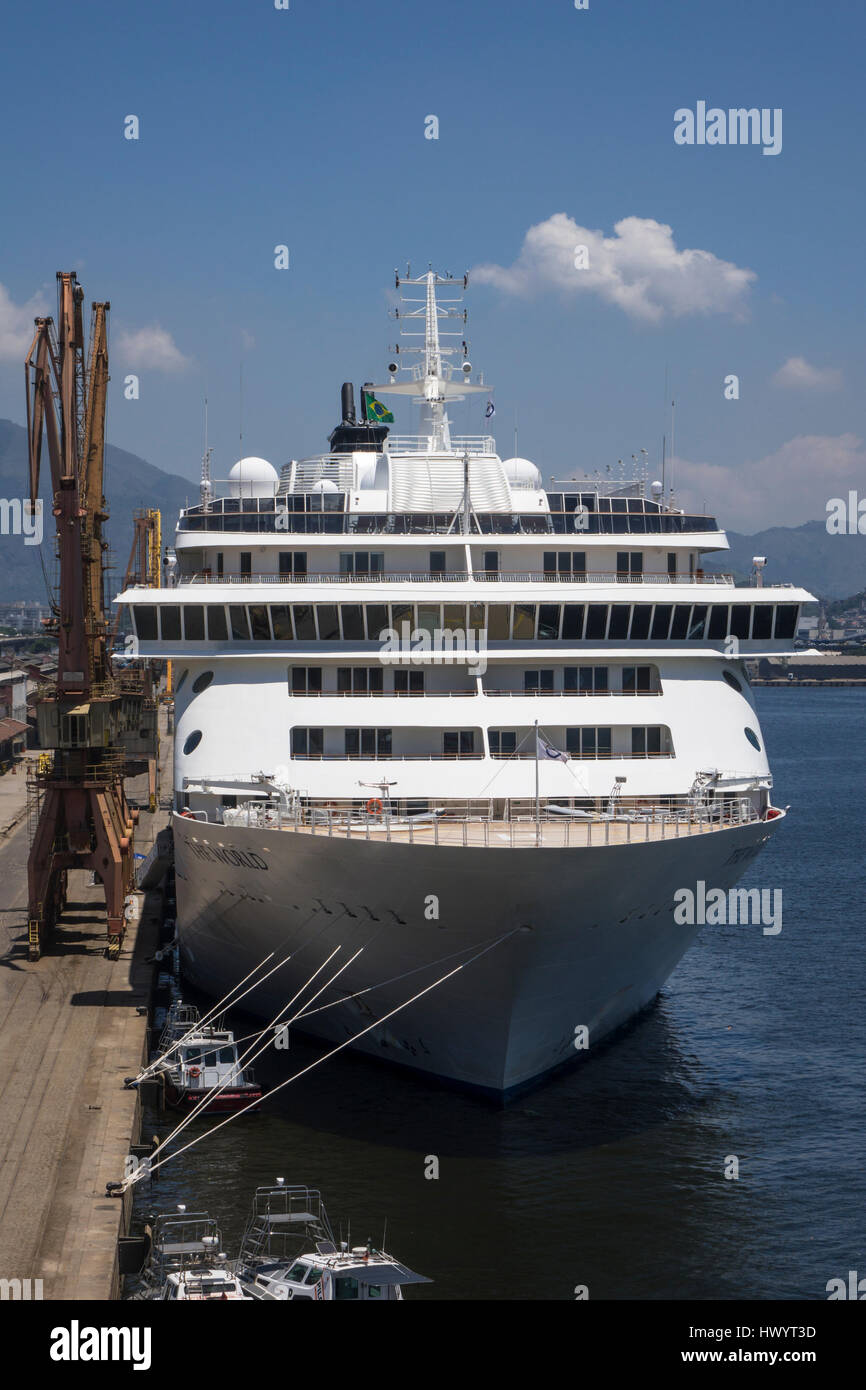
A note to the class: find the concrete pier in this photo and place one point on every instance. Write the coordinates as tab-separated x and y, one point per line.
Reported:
72	1026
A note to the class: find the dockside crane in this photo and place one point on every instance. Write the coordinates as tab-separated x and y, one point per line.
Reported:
97	722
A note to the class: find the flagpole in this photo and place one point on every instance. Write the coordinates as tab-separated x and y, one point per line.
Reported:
537	806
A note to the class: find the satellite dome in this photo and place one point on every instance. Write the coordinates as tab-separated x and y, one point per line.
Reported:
522	473
253	477
324	485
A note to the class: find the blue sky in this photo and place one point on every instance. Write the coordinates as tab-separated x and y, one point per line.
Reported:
306	127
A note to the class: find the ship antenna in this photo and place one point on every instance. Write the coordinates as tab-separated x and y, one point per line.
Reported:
205	464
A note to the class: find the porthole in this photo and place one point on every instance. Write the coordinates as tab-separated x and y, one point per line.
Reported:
731	679
194	739
179	685
202	682
753	738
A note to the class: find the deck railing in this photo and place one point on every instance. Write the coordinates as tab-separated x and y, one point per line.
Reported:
502	824
455	577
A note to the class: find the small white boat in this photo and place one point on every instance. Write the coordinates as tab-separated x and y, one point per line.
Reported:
186	1261
288	1252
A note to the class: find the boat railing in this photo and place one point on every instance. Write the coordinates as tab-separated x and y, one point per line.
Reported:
507	823
285	1220
454	577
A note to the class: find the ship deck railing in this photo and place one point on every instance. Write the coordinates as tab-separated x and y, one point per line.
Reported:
500	824
454	577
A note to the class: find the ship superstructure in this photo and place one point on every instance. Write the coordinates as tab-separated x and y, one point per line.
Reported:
426	703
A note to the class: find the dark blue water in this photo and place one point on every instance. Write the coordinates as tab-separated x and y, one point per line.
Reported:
612	1175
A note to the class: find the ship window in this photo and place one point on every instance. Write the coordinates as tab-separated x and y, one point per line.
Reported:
636	678
180	683
202	682
476	617
762	623
362	561
260	625
145	622
740	619
718	621
733	682
629	562
497	622
661	621
352	616
367	743
329	628
786	620
680	624
216	624
698	622
588	743
596	622
305	627
408	682
246	559
192	742
428	618
646	743
672	562
281	620
306	680
491	562
307	743
402	613
346	1288
572	622
619	618
503	743
240	623
170	622
454	618
753	738
458	743
548	622
377	621
293	562
524	621
193	622
437	561
640	623
537	682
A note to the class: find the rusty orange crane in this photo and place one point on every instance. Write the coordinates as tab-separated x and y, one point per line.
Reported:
96	722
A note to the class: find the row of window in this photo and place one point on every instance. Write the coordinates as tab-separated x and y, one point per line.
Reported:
359	562
583	742
369	680
545	622
330	519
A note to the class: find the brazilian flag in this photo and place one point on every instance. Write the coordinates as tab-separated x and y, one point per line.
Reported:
377	411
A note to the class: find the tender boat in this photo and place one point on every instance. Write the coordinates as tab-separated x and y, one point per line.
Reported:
186	1261
289	1252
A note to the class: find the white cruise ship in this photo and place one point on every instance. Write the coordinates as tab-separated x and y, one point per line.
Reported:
437	714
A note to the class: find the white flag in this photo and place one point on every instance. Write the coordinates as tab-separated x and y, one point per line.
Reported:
546	750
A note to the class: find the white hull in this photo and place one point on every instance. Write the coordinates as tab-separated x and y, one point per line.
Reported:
589	937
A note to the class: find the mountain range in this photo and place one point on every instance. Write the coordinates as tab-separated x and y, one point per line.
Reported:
831	567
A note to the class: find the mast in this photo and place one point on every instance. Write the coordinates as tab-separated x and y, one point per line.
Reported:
433	378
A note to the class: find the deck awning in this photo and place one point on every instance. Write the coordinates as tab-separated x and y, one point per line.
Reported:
383	1275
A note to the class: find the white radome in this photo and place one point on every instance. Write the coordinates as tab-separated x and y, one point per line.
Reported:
521	472
253	477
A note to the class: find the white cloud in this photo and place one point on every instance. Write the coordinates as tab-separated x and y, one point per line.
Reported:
639	269
784	488
16	324
151	349
799	373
